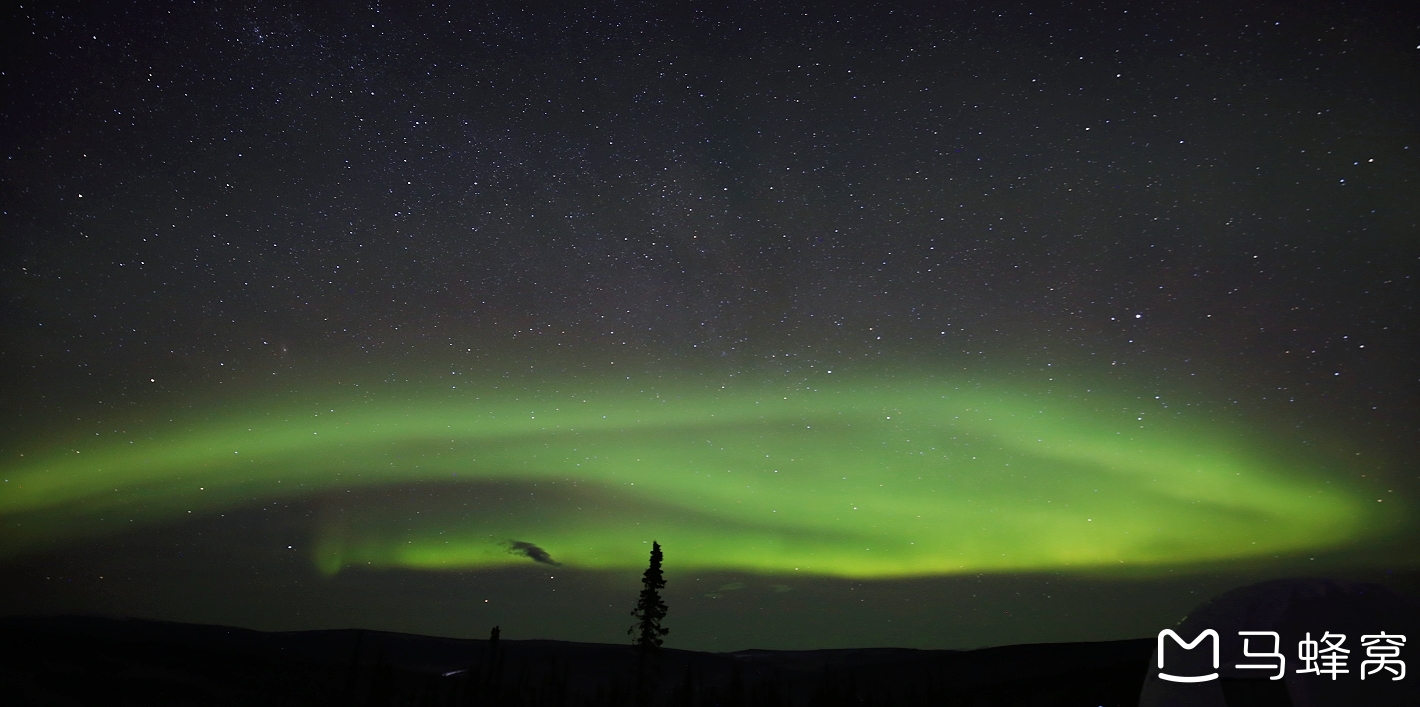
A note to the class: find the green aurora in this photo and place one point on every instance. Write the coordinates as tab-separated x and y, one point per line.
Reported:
851	477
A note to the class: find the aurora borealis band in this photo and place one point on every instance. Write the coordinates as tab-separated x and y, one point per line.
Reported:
863	477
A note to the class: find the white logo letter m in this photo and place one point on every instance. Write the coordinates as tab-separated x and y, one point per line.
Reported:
1210	633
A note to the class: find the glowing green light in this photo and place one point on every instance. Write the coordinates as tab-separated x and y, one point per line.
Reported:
860	478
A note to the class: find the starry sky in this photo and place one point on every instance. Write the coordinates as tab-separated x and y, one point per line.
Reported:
933	325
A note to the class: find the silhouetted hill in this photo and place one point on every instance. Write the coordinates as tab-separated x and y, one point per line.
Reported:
89	661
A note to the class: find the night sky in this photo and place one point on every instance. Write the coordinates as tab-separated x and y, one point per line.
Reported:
928	325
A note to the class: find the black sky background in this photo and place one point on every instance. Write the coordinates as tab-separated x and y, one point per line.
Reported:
1214	199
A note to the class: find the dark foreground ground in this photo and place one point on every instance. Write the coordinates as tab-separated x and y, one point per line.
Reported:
100	661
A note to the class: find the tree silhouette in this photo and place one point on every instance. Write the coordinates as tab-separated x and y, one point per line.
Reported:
650	610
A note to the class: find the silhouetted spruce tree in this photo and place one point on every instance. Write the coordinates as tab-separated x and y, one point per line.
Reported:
493	681
650	610
736	696
382	685
484	681
354	677
685	695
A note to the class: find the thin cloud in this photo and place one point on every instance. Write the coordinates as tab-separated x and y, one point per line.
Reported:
532	552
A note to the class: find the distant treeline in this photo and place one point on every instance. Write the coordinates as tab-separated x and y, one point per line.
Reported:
89	661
